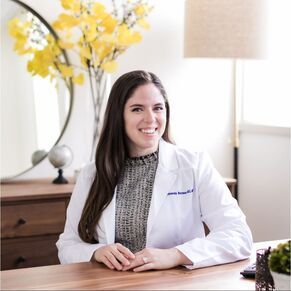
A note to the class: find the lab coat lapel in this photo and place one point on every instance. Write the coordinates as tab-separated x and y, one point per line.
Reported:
108	220
165	177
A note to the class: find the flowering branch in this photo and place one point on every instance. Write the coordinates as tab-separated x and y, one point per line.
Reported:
85	28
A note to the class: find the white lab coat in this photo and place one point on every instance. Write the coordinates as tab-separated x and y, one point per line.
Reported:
187	191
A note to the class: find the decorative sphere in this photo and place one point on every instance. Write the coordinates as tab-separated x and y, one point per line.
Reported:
60	156
37	156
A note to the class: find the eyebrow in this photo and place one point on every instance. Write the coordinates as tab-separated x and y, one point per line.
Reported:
141	105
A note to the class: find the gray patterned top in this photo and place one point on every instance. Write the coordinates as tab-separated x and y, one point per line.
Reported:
133	198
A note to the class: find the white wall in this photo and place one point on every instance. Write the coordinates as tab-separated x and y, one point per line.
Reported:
264	175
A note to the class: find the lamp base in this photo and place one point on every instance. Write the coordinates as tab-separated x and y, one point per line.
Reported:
60	179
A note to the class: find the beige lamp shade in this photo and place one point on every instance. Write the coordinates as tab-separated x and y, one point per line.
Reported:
225	28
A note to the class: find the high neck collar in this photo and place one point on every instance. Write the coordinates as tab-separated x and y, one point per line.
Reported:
141	160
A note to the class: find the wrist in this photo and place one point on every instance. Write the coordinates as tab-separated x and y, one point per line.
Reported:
180	258
95	256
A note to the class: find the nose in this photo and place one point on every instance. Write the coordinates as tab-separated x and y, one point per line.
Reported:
149	116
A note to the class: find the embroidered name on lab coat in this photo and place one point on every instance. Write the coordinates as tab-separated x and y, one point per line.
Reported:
182	192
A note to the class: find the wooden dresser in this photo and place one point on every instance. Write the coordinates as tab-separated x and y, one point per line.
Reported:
33	215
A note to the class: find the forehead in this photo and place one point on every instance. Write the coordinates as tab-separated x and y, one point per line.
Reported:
145	94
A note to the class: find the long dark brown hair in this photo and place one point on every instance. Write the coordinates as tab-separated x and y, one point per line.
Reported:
112	148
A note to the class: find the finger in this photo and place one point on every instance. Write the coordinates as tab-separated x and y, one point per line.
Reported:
135	263
130	266
107	263
144	267
113	261
121	258
125	251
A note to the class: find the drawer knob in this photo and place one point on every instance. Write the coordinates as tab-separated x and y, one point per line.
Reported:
21	259
21	221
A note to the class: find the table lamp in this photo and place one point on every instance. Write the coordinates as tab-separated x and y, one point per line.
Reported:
231	29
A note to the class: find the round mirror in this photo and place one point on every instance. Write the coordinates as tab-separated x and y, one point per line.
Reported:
34	111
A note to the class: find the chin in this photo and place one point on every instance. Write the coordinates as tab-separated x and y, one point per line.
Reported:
151	146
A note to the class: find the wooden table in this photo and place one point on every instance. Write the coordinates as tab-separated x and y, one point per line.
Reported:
93	275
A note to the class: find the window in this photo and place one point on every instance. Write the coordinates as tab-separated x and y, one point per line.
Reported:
266	96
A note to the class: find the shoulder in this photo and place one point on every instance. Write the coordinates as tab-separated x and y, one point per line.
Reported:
83	185
184	157
88	173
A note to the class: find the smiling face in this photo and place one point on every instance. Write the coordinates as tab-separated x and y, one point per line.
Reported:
144	119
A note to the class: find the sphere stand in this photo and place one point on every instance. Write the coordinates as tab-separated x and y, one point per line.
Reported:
60	179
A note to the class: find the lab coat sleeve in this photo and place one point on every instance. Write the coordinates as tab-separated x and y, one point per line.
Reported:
71	249
230	238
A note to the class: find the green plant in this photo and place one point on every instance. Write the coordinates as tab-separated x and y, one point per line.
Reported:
279	258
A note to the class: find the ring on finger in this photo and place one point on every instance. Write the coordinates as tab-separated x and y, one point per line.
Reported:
145	260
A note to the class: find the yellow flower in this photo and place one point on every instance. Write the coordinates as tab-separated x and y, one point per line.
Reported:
78	79
65	45
141	9
127	37
51	43
67	4
109	23
143	23
107	38
20	46
13	27
88	24
41	63
57	25
66	71
98	37
85	53
98	10
19	31
65	21
110	66
102	49
73	5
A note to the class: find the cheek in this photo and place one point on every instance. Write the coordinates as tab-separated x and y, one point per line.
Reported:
163	119
130	120
130	124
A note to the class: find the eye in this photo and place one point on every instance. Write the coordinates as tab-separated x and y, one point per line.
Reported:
159	108
136	109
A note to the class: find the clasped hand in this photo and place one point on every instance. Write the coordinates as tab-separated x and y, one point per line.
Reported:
118	257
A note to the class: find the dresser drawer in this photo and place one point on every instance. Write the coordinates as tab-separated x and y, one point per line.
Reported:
28	252
31	219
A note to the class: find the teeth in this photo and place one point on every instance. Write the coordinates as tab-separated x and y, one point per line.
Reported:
148	131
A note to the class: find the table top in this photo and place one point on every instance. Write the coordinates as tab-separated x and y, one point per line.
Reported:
35	189
92	275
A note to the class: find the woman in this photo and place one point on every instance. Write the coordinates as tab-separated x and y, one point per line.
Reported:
143	203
